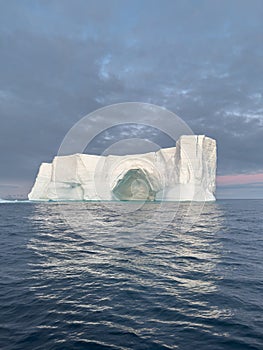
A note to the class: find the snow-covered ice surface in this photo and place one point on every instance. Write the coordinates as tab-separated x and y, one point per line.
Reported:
186	172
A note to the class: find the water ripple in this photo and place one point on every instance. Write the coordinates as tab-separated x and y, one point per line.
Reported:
201	287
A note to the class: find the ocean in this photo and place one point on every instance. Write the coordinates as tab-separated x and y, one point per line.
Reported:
131	276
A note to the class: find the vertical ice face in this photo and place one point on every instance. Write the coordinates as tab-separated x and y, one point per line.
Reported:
40	190
195	157
185	172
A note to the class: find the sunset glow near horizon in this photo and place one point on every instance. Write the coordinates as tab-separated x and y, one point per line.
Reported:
239	179
240	186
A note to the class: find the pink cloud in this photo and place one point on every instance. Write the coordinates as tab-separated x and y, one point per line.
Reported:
239	179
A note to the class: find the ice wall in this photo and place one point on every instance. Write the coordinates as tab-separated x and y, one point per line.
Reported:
185	172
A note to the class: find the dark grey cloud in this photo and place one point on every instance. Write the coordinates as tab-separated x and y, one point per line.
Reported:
63	59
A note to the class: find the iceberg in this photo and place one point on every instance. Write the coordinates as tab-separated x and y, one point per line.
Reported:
186	172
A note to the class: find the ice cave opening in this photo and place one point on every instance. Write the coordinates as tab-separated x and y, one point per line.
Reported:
134	185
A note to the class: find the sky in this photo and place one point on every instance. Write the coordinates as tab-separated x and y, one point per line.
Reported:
60	60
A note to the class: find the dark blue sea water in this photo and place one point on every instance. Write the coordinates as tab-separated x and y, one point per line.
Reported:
67	282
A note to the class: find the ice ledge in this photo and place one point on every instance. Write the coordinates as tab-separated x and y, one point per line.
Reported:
186	172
